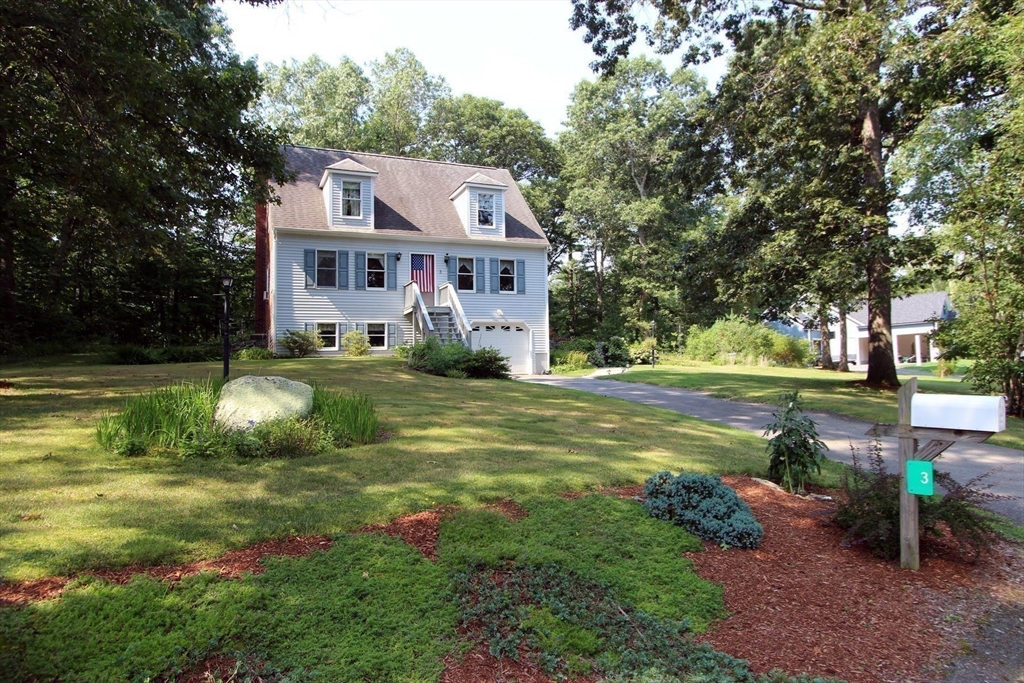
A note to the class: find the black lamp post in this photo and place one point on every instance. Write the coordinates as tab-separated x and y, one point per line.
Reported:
225	281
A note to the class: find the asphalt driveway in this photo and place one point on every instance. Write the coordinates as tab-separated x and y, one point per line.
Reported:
963	460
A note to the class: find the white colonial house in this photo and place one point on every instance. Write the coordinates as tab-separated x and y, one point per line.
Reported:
402	249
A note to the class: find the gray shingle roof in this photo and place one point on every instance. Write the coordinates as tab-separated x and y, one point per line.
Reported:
351	165
411	195
481	179
915	308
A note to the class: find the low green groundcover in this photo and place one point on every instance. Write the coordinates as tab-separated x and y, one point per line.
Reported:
593	585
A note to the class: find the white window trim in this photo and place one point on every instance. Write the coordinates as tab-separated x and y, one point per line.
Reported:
359	184
366	270
514	279
316	258
472	261
337	336
366	331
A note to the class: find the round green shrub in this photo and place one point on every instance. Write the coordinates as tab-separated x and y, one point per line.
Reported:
355	343
301	344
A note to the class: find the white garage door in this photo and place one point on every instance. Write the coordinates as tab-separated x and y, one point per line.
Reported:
510	339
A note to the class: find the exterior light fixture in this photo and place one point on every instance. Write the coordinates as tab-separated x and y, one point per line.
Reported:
398	256
225	281
446	259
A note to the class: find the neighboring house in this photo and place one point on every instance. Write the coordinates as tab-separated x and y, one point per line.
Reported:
914	320
402	249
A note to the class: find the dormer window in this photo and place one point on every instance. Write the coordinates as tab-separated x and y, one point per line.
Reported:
351	199
485	210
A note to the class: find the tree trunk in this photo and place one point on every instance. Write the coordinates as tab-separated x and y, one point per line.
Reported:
8	189
881	362
844	359
826	342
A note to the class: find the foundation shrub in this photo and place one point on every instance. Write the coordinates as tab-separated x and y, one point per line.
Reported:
301	344
486	363
870	513
704	506
457	361
355	343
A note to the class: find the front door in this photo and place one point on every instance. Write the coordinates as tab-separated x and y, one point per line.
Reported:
422	268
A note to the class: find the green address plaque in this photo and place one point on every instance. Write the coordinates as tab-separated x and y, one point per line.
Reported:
920	478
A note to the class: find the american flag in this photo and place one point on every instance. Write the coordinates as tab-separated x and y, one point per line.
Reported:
423	271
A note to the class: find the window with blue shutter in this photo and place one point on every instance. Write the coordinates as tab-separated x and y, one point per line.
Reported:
392	335
342	270
481	283
520	276
309	266
392	272
495	287
360	270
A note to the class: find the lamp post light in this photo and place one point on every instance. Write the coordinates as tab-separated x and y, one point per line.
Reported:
225	281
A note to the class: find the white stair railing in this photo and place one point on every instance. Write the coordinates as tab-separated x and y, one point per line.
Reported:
420	319
450	298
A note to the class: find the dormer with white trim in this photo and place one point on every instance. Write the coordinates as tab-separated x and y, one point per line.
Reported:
348	194
480	203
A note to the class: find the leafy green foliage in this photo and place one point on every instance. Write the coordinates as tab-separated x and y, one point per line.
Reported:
871	512
301	344
124	239
610	354
455	360
738	340
640	353
795	451
165	417
945	367
402	352
355	343
704	506
255	353
133	354
571	359
351	418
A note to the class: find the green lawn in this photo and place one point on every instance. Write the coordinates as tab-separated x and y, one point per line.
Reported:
821	390
68	505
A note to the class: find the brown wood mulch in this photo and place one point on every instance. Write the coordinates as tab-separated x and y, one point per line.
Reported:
804	603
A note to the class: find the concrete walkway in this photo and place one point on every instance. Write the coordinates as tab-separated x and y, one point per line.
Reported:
963	460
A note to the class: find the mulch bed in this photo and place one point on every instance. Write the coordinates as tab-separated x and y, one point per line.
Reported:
418	530
804	603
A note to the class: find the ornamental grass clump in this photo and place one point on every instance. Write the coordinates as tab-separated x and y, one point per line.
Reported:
165	417
795	450
351	418
704	506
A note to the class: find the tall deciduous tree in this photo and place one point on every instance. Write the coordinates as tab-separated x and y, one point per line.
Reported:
882	64
317	104
123	125
402	96
639	167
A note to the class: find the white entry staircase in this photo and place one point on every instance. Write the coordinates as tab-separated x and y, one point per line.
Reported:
447	321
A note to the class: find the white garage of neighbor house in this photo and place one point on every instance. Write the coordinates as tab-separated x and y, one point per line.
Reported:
402	249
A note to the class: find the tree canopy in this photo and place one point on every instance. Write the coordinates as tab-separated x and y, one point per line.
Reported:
125	136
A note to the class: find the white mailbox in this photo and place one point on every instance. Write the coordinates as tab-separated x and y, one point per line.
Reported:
945	411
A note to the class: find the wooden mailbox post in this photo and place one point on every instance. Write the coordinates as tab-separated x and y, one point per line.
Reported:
943	420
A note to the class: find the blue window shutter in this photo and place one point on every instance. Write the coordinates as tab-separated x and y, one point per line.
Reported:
342	329
392	271
453	269
343	270
392	335
309	265
305	327
361	327
360	270
495	285
478	273
520	276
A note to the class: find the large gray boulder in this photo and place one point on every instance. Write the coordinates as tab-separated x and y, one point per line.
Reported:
247	401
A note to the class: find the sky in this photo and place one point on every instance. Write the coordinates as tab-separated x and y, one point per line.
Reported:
521	52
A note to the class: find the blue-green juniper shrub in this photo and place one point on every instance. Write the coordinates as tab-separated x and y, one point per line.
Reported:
704	506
